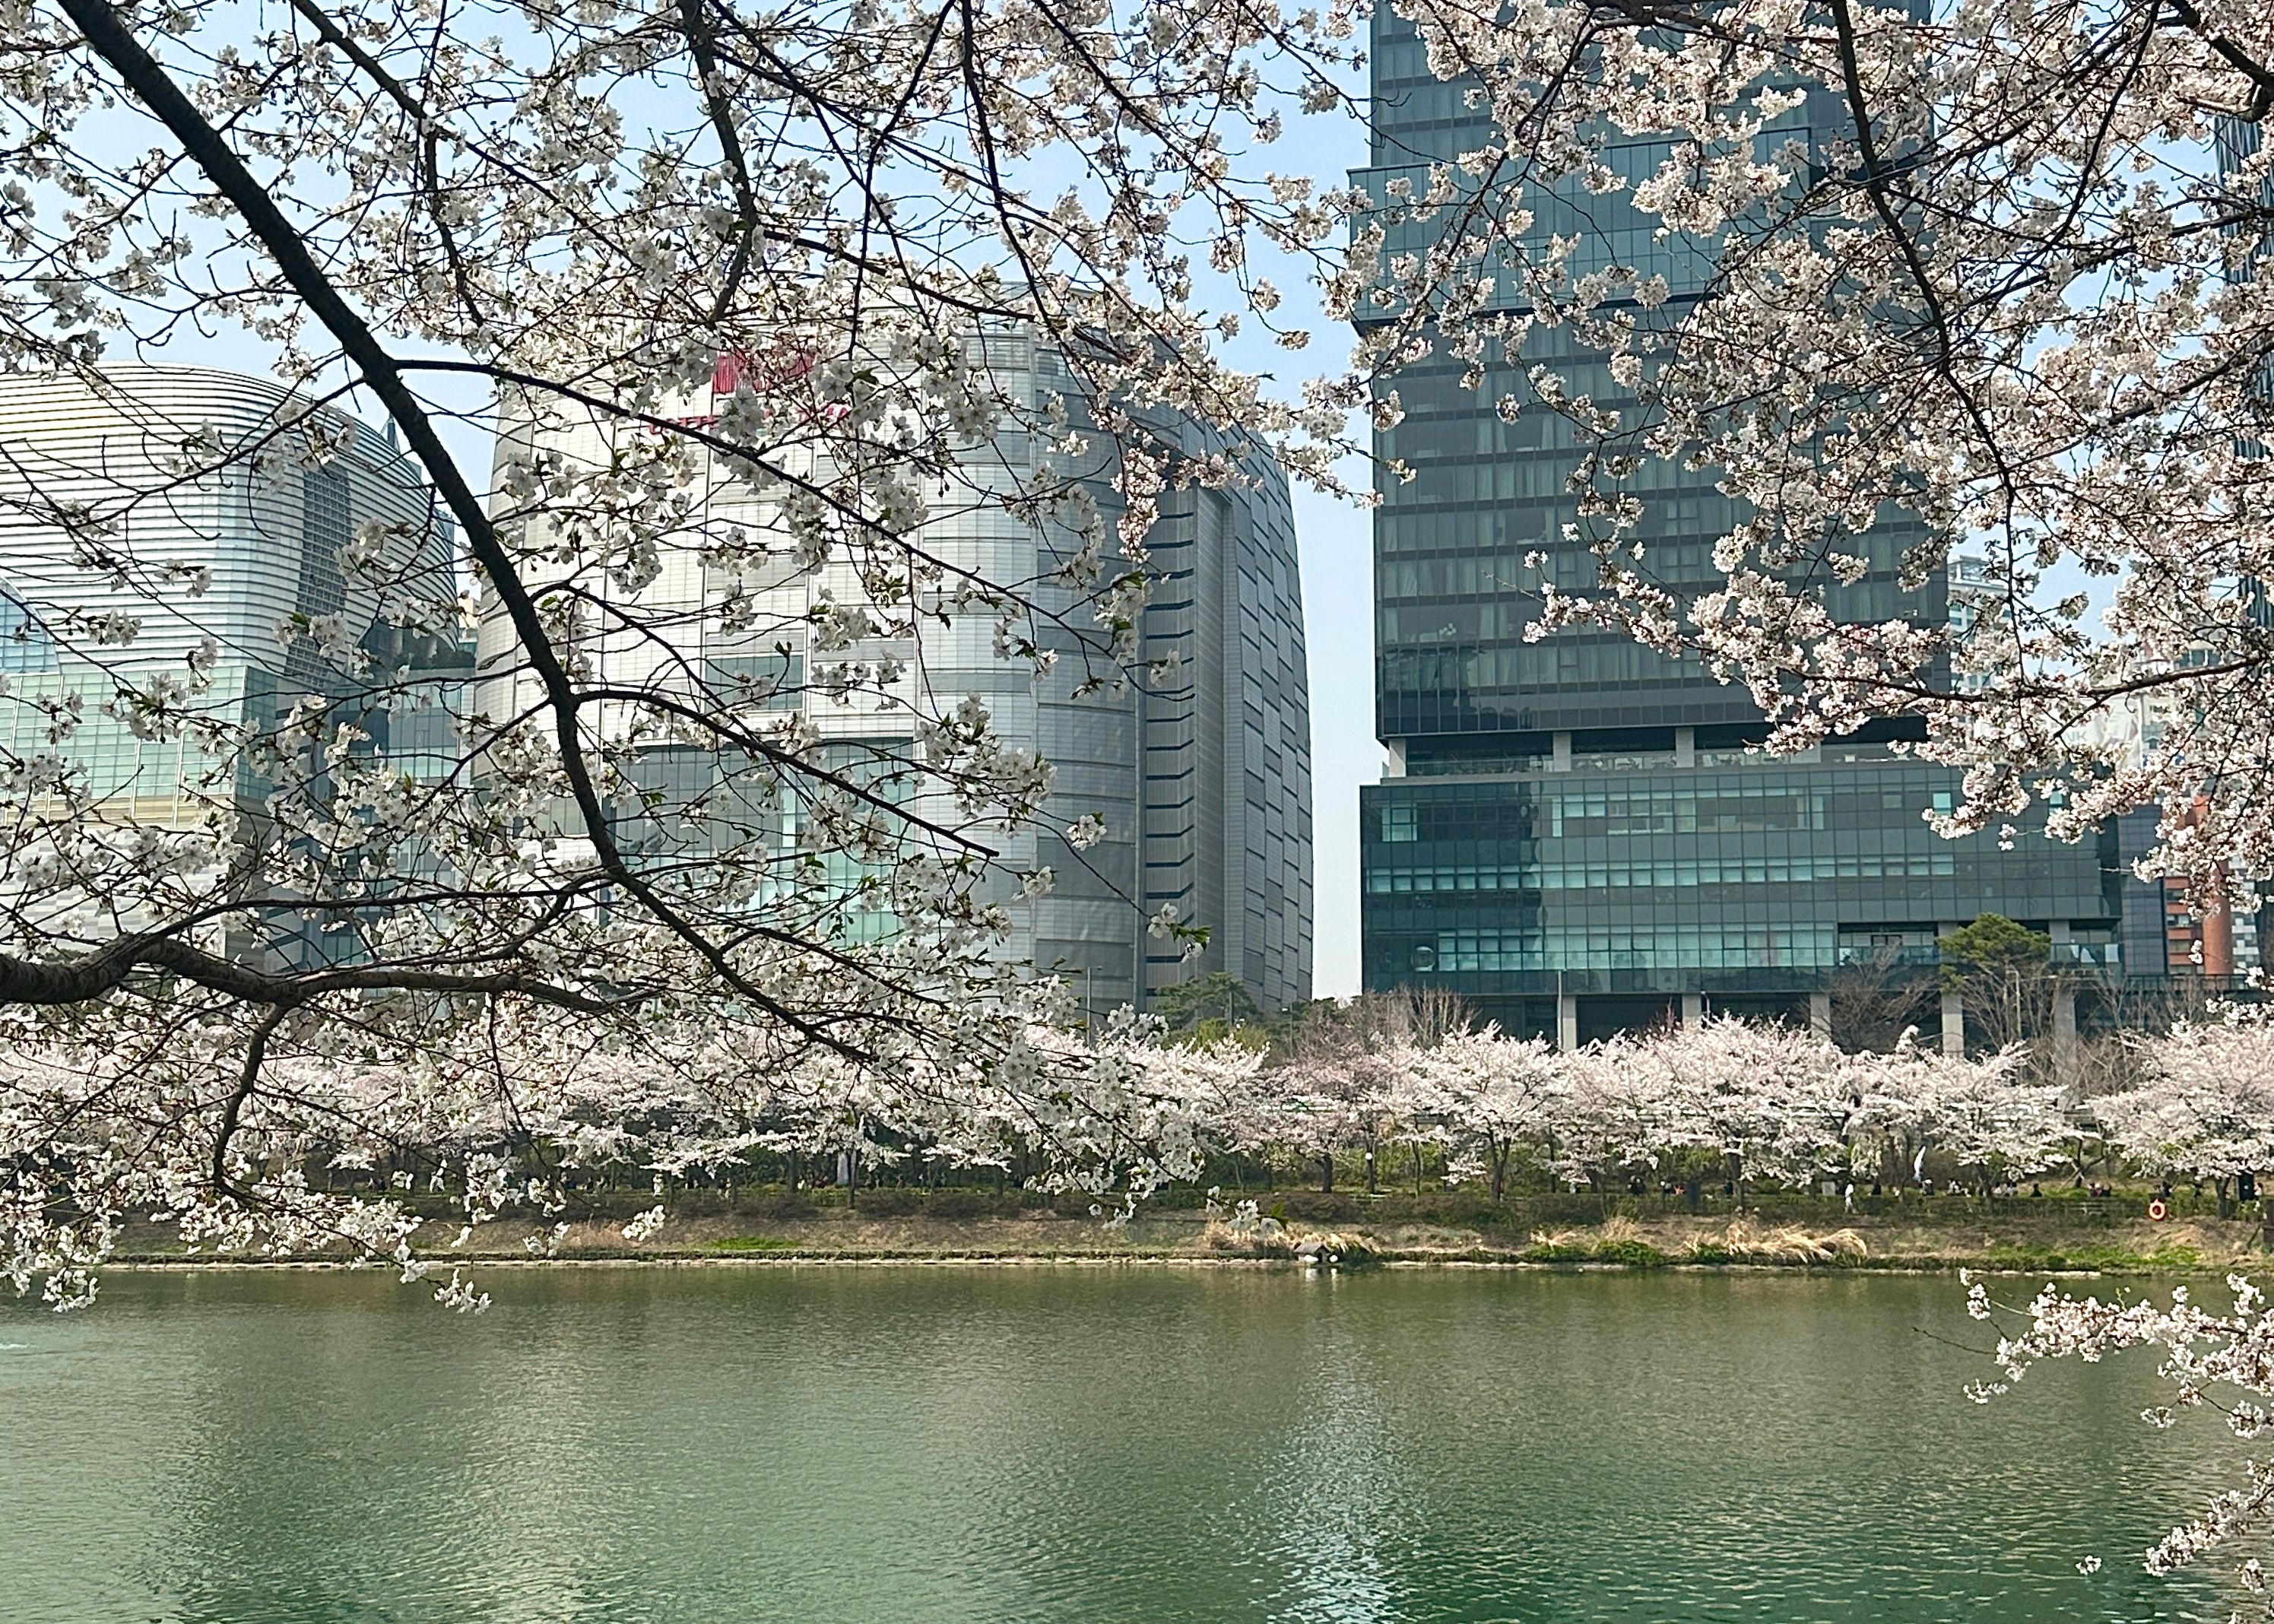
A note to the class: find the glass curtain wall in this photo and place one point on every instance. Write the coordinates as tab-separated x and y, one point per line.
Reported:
1576	834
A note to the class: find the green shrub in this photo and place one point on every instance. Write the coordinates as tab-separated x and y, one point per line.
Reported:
1557	1251
1633	1254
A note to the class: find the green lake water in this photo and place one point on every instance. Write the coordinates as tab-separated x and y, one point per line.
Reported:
1067	1444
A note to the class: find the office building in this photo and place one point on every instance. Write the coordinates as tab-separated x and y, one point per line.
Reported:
208	512
221	521
1202	780
1577	834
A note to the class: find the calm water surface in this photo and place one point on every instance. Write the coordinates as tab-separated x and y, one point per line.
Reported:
1064	1445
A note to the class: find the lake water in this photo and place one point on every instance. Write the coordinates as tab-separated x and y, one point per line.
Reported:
1066	1444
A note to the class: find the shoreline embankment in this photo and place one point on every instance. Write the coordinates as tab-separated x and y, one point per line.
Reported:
1994	1235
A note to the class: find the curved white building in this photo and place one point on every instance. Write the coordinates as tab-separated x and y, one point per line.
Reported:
205	513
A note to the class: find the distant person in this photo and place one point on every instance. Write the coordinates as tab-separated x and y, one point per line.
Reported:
2036	1188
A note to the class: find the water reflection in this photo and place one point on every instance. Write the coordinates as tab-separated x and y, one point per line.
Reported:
1053	1444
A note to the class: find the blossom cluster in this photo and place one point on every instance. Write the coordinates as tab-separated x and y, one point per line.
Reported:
2210	1360
1757	1102
2203	1107
325	1153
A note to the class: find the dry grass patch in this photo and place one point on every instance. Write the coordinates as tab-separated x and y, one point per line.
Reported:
1787	1244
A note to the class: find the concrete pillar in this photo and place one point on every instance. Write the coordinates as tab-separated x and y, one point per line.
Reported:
1693	1009
1820	1015
2064	1032
1685	746
1953	1007
1560	760
1567	1022
1393	758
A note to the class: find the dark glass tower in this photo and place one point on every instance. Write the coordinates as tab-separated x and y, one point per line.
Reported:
1572	833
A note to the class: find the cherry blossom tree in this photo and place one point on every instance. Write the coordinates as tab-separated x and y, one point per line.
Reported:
1771	1101
726	279
1322	1106
1613	1111
2204	1107
1483	1096
1986	1117
1773	1104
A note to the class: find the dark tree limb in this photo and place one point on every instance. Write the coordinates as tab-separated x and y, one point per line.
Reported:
108	37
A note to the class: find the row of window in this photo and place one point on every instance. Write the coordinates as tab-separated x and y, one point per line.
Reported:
1797	868
1617	948
1710	806
1567	662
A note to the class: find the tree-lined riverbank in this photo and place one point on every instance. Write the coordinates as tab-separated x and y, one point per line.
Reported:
2025	1234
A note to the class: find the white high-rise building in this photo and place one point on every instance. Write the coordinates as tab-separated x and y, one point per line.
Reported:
1203	784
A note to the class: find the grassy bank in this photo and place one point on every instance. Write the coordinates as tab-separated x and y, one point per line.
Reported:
1949	1233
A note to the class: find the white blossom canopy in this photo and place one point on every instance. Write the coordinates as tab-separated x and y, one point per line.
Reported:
757	252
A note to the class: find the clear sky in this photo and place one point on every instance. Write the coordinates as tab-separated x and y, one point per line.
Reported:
1337	543
1337	548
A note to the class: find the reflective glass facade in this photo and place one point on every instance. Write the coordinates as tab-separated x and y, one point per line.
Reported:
1748	884
272	548
1576	827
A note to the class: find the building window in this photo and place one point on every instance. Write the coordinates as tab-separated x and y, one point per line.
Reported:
326	526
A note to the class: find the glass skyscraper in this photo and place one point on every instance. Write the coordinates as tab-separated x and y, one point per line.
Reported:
1573	834
268	540
216	478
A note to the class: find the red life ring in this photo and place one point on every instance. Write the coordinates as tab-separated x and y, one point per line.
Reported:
2158	1211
